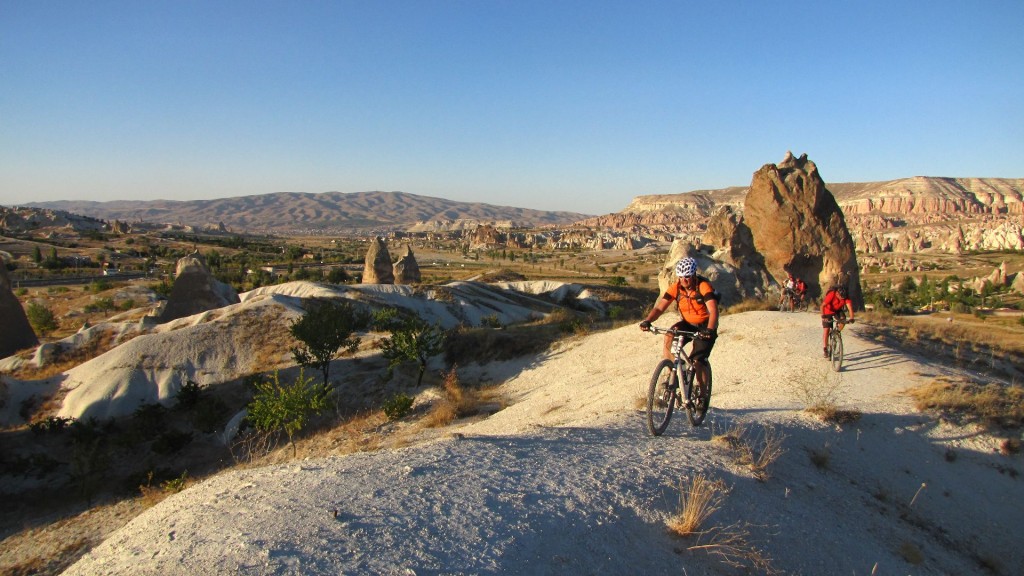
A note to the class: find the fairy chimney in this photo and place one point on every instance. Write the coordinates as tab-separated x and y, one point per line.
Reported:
798	227
17	333
195	290
406	270
377	269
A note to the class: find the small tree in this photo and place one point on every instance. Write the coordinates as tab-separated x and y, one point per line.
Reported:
324	330
287	408
412	339
41	318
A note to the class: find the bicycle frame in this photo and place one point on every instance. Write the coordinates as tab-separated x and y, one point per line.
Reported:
683	363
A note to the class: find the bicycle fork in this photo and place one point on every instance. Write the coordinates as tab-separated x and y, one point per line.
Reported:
684	373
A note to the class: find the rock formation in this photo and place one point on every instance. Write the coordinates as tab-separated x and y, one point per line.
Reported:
195	290
1017	284
377	268
406	270
17	333
798	227
486	237
732	283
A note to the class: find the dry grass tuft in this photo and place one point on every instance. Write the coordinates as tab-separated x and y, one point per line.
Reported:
820	457
54	562
732	546
820	393
697	502
994	404
455	402
1009	446
756	450
834	414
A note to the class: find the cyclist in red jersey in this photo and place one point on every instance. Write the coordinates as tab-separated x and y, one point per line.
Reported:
836	304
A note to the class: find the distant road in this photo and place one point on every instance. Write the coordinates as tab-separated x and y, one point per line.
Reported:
71	280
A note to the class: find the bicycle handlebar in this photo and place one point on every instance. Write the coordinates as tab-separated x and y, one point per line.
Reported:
656	330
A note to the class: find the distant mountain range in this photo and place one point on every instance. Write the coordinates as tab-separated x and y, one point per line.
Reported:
309	213
363	212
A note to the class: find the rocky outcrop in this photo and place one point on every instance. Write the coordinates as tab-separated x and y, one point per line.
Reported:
377	268
486	237
17	333
406	270
120	228
733	283
195	290
798	227
930	195
1017	284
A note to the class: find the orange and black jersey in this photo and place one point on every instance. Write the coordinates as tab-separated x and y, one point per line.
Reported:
692	304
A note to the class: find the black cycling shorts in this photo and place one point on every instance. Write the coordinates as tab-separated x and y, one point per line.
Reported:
701	348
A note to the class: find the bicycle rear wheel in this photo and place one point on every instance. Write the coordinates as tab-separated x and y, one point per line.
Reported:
836	350
661	397
700	400
786	305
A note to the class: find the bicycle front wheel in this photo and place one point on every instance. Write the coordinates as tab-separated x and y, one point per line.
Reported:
700	400
836	346
661	397
786	305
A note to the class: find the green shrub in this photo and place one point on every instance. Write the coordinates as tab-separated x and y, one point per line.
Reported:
618	281
412	339
491	321
324	330
210	415
189	395
97	286
41	318
287	408
51	425
101	305
397	406
171	442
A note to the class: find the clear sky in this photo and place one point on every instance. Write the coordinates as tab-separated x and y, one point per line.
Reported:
549	104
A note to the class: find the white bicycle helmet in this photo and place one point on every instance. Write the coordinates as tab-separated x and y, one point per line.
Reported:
686	267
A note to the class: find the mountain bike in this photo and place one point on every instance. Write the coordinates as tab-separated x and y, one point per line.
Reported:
787	303
664	394
835	342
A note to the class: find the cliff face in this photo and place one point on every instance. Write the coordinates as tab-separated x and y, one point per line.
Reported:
926	195
905	215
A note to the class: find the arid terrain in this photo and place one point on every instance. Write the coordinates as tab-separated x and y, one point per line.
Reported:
942	314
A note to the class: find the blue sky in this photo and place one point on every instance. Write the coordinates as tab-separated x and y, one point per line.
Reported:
552	105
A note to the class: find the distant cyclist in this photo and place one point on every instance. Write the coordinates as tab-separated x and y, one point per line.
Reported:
800	288
836	305
698	305
788	289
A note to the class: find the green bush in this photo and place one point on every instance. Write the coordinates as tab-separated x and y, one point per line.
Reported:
324	330
209	416
287	408
51	425
189	395
618	281
171	442
41	318
397	406
100	305
412	339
